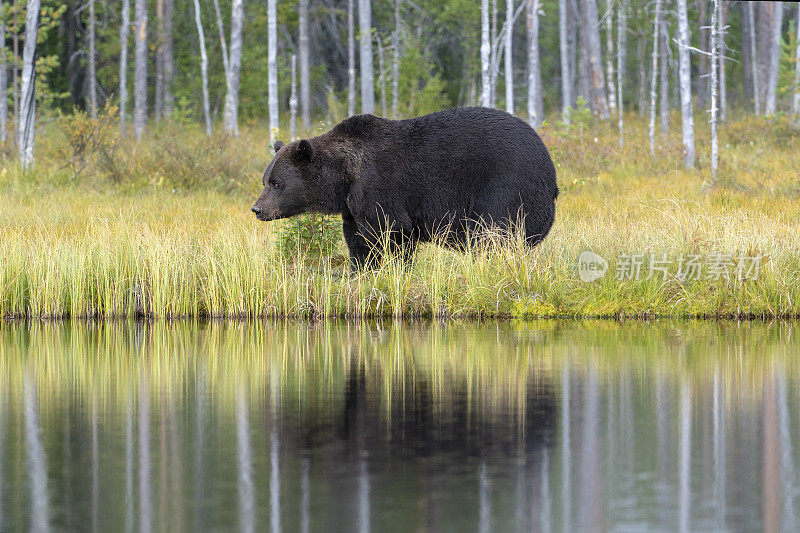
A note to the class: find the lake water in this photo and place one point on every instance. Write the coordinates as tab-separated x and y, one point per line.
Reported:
398	426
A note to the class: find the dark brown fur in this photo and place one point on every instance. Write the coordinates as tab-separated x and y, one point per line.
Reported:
411	179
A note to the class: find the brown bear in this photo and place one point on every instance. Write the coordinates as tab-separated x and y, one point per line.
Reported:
447	173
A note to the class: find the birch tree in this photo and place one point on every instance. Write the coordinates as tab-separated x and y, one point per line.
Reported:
535	107
493	55
509	58
747	59
396	61
124	29
203	65
684	74
272	69
382	78
774	59
27	102
367	78
15	70
609	19
592	30
796	97
222	44
566	68
158	96
3	86
712	85
622	49
92	67
305	84
754	56
654	77
664	76
140	70
293	101
351	59
165	59
723	82
168	58
486	52
230	112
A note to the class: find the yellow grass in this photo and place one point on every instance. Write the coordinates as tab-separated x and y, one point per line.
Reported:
89	248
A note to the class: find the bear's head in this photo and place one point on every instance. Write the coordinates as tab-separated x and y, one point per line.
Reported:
288	182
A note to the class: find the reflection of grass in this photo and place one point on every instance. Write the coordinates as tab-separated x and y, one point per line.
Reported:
159	253
495	364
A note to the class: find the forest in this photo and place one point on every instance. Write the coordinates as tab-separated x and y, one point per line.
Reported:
322	60
134	135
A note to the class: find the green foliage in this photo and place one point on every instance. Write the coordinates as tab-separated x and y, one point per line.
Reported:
421	88
788	63
580	115
12	16
313	234
89	139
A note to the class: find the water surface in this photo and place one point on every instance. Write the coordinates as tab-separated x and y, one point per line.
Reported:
397	426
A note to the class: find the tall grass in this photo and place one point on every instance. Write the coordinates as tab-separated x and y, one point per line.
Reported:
88	248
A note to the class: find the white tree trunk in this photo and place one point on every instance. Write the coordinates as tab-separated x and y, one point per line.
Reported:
351	59
92	69
231	110
396	64
612	93
305	83
622	49
774	60
203	65
27	104
654	77
140	70
566	78
714	45
684	71
595	58
367	78
493	55
272	70
664	76
509	56
723	82
3	87
158	93
796	97
754	61
535	110
168	59
382	78
222	43
124	29
486	57
293	101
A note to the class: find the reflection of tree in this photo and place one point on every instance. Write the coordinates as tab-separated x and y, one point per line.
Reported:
36	459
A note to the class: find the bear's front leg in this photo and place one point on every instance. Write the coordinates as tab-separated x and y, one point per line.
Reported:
362	253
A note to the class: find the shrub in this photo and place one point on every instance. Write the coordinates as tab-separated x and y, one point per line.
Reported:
310	234
89	139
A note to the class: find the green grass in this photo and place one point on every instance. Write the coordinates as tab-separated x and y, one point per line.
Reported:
172	236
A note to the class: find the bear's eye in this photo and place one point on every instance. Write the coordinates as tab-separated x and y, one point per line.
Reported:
273	183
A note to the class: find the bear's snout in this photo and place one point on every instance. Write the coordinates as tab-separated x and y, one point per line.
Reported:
263	214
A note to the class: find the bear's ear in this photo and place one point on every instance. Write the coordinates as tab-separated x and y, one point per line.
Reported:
304	151
278	146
